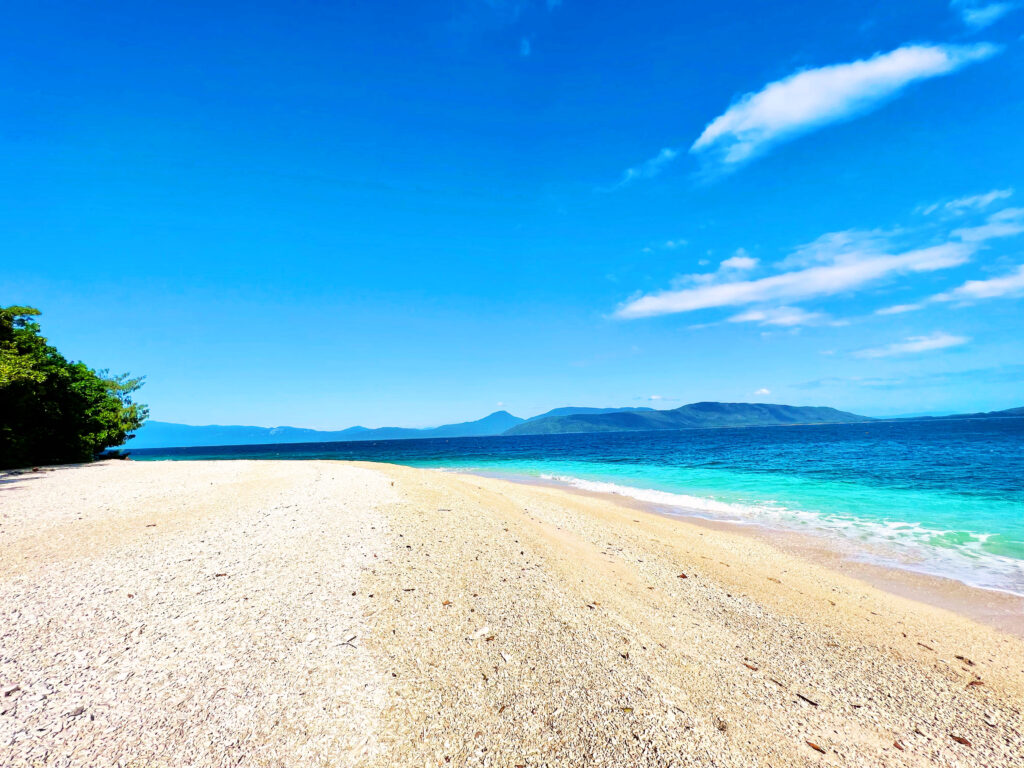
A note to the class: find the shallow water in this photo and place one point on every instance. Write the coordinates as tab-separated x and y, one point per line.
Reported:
941	497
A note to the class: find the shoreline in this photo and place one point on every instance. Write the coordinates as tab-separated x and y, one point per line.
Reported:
1000	609
368	615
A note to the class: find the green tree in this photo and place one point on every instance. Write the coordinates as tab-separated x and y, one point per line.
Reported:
53	411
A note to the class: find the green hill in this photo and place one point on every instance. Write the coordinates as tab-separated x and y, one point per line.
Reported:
695	415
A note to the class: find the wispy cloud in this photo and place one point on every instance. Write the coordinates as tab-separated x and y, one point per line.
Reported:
729	269
1005	223
1000	373
762	392
524	47
470	17
978	14
812	98
849	271
1008	222
994	288
856	381
915	345
786	317
971	202
1007	286
833	246
899	309
649	168
846	263
670	245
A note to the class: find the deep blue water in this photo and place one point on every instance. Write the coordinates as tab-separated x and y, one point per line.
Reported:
945	497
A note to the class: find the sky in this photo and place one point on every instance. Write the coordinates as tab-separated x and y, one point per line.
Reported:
325	213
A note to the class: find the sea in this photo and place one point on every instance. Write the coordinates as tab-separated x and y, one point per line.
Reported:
942	497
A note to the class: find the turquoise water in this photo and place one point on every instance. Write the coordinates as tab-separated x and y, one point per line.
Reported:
976	539
941	497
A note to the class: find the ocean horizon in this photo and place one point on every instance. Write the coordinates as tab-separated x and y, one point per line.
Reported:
944	498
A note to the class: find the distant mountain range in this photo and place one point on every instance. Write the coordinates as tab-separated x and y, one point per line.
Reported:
165	434
162	434
1008	413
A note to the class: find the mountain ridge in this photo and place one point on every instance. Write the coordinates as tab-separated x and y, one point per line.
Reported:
165	434
569	411
1003	414
565	420
692	416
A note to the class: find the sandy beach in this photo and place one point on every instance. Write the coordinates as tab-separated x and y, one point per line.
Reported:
319	613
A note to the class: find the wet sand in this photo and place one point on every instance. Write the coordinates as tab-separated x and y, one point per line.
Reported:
1001	610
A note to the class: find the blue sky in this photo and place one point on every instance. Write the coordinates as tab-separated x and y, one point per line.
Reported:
409	213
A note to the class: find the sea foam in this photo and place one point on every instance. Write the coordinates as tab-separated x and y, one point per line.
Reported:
955	554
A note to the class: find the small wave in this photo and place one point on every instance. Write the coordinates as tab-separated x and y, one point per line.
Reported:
661	498
956	554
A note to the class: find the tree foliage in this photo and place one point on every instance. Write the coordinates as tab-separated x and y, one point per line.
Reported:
53	411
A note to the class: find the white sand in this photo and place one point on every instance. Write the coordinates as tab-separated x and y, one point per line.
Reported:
202	613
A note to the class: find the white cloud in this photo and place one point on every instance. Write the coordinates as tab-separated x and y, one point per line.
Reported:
1006	286
728	269
787	317
837	263
849	271
649	168
762	391
670	245
995	288
899	309
812	98
833	246
915	345
740	262
977	14
962	204
656	399
1004	223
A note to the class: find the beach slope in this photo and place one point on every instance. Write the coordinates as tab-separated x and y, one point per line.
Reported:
350	614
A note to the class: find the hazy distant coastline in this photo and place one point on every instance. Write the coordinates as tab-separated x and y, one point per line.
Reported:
161	434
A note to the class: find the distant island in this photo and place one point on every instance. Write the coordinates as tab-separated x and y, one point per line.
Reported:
693	416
